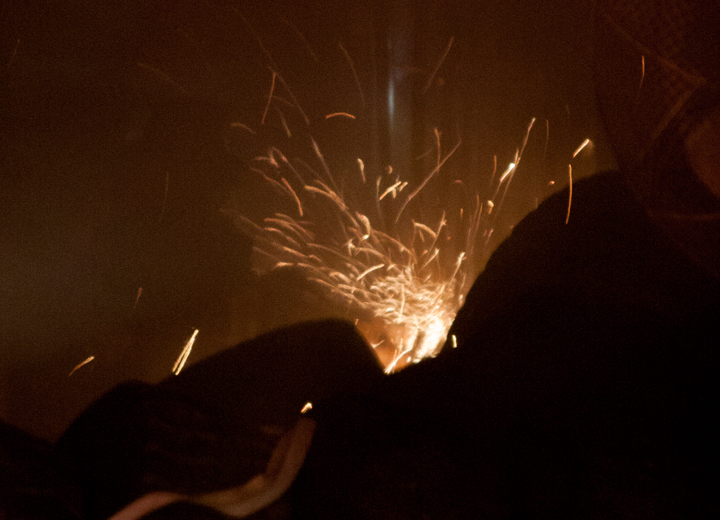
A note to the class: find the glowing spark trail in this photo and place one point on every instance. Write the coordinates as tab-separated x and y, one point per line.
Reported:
270	96
355	76
79	365
244	127
507	172
361	164
160	74
581	147
437	67
137	299
567	218
340	114
427	179
185	354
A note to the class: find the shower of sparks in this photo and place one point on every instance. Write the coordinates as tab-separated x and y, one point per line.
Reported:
80	365
403	286
368	270
185	354
412	287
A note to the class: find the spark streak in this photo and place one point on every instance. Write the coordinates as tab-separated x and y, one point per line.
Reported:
245	127
355	76
164	77
80	365
567	218
270	96
581	147
437	67
185	354
292	191
137	299
340	114
427	179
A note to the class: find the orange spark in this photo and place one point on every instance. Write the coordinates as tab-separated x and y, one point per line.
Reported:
283	122
244	127
137	298
81	365
437	67
355	76
294	99
507	172
361	164
339	114
160	74
426	180
581	147
292	191
567	218
180	363
270	96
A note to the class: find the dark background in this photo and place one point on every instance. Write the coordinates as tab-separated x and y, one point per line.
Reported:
118	153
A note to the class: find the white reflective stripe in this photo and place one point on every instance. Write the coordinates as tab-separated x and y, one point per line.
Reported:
284	466
241	501
146	504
